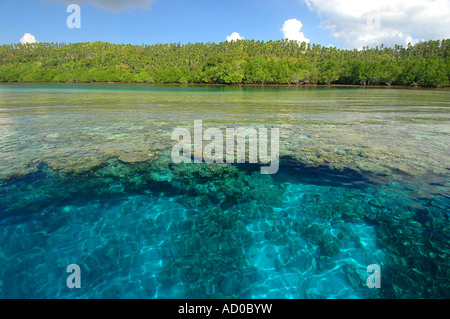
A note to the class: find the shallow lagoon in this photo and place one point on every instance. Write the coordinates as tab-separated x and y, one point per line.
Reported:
86	178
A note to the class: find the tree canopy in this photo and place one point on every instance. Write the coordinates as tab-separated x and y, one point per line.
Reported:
236	62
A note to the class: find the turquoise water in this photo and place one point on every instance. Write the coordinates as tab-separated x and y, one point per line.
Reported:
86	178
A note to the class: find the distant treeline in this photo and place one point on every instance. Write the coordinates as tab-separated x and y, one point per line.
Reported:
237	62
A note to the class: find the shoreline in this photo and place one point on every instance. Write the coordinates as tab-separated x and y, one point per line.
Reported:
250	85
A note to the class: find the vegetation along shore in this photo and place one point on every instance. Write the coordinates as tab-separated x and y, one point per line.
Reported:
246	62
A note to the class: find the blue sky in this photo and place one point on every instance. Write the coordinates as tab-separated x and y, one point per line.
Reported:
167	21
342	23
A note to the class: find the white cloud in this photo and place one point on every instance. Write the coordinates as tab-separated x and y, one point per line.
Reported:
114	5
291	30
360	23
28	38
234	37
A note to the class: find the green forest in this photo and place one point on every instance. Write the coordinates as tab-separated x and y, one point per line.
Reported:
424	64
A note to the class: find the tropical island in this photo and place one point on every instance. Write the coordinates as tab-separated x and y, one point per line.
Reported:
425	64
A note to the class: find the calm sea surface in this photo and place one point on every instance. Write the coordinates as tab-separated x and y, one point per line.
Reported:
86	178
